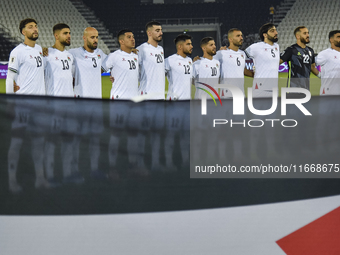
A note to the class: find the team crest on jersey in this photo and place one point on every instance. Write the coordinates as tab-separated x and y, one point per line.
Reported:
335	57
40	54
230	56
151	54
179	64
275	48
86	57
189	62
162	53
56	58
123	59
265	49
242	56
299	54
69	59
31	57
99	57
135	59
217	65
206	66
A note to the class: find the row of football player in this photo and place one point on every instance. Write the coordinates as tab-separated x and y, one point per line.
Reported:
146	65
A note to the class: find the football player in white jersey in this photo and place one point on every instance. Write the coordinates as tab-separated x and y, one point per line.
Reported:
88	66
206	76
151	63
206	72
178	68
233	62
25	66
329	60
152	84
26	69
59	82
123	64
266	57
58	64
88	83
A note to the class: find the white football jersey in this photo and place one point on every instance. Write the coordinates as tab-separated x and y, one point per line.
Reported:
125	70
179	72
329	60
152	72
28	64
87	72
58	73
232	69
266	59
206	74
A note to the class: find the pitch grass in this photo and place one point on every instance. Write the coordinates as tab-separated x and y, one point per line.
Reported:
315	84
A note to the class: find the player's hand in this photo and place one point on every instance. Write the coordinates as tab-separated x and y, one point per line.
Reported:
223	48
15	87
45	52
135	51
112	79
196	58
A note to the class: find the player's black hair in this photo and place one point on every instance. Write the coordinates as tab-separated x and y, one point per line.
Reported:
205	41
264	29
122	32
182	38
232	31
24	22
59	27
298	29
151	24
332	33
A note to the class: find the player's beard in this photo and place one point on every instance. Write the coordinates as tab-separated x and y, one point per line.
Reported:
337	43
212	52
272	39
91	46
187	52
65	43
304	41
158	39
33	38
238	44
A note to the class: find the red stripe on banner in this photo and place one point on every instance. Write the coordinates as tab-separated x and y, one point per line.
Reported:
321	236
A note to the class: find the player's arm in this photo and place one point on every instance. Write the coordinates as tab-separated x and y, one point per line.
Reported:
45	52
286	55
248	73
11	86
196	58
315	71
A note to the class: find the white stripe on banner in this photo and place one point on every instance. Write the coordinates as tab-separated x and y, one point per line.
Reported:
238	231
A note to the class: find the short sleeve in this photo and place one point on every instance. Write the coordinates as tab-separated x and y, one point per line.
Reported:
14	61
286	55
313	56
321	59
108	63
218	56
167	66
250	51
195	72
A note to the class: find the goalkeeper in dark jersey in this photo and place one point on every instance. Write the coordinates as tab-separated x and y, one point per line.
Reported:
300	59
